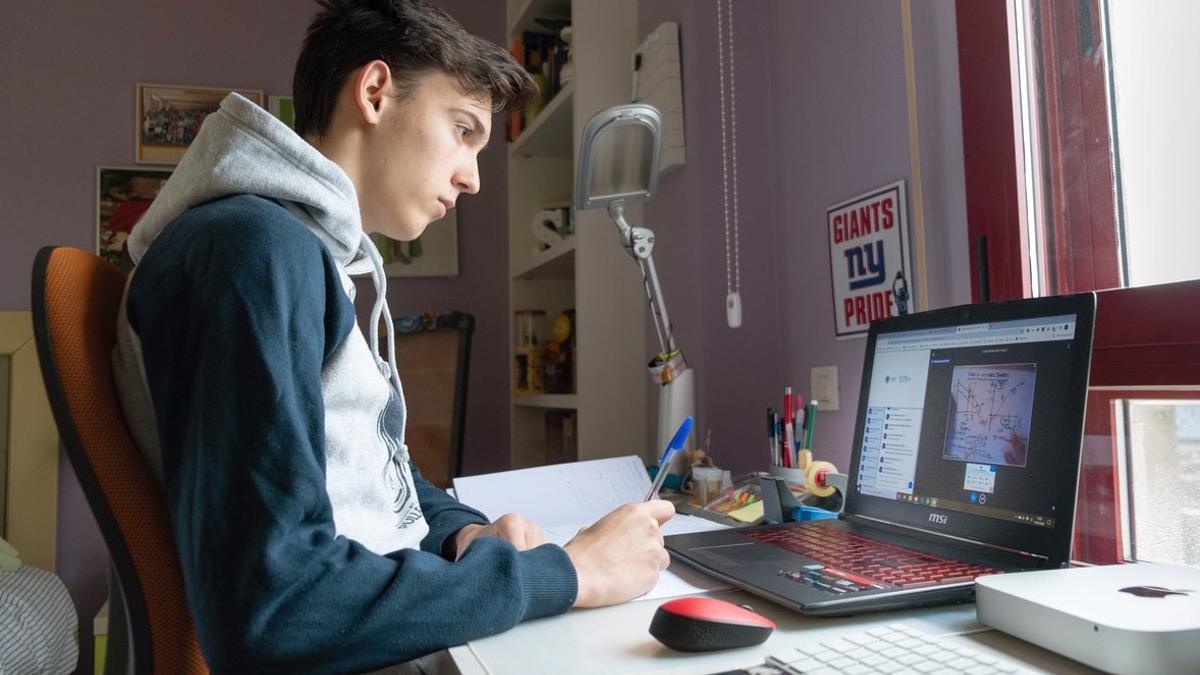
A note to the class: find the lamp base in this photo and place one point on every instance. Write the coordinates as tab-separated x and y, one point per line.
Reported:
676	401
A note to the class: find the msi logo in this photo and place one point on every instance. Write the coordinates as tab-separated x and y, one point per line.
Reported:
1154	591
939	518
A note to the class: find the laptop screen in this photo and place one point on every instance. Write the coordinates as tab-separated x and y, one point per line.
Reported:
970	421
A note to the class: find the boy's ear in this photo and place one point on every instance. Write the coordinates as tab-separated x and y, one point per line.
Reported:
372	83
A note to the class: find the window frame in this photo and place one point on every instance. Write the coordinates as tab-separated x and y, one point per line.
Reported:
1079	207
1147	339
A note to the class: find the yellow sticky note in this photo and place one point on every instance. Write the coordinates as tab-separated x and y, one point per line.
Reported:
748	513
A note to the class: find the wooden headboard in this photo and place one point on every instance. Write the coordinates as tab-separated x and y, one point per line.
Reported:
29	448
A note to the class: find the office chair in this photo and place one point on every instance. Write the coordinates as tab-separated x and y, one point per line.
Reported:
433	352
75	301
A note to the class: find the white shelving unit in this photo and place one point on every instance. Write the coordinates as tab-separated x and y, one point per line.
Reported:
588	272
550	133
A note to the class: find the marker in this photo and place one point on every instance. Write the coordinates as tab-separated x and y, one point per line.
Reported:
788	429
811	424
676	443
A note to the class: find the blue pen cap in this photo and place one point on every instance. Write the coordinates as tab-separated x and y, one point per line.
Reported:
681	435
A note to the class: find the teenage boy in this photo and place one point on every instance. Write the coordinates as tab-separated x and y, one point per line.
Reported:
308	540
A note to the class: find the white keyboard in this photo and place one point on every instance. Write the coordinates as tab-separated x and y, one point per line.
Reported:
889	649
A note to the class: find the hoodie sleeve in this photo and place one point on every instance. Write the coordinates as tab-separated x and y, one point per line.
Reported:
237	307
444	514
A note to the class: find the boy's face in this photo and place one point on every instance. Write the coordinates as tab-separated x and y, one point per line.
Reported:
422	156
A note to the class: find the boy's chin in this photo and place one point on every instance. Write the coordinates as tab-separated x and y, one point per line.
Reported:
404	232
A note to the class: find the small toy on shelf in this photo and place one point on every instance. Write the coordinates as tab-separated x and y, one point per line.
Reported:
559	363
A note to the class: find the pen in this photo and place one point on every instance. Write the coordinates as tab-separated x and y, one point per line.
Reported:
676	443
783	457
773	445
798	420
777	436
801	422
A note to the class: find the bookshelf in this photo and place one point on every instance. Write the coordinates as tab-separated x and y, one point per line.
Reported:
604	414
549	135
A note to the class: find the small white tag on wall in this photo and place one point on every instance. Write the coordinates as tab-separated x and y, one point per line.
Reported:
733	309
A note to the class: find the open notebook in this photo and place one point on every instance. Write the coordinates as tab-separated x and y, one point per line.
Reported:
563	498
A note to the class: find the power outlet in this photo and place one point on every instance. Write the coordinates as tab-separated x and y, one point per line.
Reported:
825	387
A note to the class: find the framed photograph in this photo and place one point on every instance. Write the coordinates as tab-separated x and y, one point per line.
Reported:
281	107
169	117
123	194
433	254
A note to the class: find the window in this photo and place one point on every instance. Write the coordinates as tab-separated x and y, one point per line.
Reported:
1162	464
1078	141
1156	103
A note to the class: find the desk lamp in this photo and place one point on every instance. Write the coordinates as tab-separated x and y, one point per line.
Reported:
618	165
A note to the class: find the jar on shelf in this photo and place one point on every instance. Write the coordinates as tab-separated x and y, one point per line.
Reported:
529	327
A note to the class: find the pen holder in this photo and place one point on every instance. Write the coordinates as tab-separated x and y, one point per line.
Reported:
790	474
820	484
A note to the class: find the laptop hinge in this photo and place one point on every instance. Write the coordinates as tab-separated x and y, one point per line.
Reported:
1043	561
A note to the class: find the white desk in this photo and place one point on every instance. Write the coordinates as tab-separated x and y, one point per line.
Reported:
617	640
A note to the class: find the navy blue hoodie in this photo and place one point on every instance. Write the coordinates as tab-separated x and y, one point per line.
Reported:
309	541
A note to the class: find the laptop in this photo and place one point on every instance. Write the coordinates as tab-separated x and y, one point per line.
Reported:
965	462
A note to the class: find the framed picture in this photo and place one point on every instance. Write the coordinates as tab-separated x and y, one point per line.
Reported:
433	254
281	107
123	194
169	117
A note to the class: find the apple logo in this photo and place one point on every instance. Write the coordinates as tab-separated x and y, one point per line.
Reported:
1154	591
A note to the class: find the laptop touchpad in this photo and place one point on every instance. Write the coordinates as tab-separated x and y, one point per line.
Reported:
740	554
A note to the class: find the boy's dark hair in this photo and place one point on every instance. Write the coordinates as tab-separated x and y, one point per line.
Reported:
413	38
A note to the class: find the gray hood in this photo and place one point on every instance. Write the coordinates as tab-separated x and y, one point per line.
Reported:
243	149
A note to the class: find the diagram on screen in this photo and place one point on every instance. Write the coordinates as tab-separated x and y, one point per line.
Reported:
990	408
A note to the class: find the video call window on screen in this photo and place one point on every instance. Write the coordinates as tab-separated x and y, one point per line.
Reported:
990	409
957	417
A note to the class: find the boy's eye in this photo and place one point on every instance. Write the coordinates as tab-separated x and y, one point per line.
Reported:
463	130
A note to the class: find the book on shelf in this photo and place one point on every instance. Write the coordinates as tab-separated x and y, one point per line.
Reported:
543	56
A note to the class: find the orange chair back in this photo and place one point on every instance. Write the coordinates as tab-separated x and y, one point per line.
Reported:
75	300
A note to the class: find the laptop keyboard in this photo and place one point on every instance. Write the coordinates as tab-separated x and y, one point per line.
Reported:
850	562
888	649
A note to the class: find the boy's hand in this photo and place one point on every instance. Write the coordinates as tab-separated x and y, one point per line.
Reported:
510	527
621	555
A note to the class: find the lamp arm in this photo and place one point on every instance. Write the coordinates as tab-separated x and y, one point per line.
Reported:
659	306
639	243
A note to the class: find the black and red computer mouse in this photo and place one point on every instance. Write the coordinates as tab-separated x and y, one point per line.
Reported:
705	624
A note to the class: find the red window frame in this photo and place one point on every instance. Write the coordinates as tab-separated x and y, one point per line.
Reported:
1079	207
1000	266
1147	341
1145	338
1075	195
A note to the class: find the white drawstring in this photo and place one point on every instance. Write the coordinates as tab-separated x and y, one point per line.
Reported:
388	368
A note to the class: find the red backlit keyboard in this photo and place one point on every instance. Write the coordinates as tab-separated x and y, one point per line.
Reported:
850	562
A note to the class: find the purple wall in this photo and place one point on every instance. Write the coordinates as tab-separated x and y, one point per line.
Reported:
738	372
67	73
821	116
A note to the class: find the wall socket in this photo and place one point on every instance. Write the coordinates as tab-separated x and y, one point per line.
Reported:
825	387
